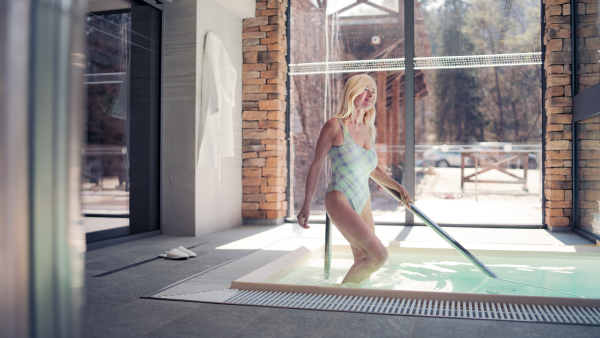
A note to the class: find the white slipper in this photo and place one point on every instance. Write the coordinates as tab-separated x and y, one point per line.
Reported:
174	254
188	252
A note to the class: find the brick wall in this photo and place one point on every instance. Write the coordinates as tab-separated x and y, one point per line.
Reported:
558	182
264	79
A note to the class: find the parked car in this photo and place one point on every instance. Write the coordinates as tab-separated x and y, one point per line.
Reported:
443	156
450	156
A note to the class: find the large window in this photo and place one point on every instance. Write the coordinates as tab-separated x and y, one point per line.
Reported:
478	129
329	44
477	102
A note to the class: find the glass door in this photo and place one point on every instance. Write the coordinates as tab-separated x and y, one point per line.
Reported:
120	152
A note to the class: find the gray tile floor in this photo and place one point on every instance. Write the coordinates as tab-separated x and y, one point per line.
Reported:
114	308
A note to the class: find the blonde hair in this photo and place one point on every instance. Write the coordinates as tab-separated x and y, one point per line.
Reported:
347	110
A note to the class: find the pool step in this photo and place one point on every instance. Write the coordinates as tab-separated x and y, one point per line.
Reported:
398	306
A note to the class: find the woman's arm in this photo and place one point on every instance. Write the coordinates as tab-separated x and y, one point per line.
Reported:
324	143
382	177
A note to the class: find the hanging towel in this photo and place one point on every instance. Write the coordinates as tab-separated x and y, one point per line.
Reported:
215	127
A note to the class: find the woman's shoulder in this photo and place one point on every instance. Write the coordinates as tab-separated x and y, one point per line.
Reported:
333	122
333	128
332	125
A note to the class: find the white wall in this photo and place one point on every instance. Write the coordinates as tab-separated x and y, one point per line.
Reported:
215	208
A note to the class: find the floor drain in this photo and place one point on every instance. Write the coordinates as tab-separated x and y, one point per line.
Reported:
398	306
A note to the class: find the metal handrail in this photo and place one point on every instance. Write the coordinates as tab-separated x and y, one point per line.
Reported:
428	222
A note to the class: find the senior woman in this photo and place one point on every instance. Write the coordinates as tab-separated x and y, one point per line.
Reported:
349	139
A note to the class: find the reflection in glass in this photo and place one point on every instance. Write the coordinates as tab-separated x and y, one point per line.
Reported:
588	43
105	186
588	174
121	138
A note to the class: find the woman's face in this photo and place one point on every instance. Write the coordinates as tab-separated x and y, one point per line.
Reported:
366	99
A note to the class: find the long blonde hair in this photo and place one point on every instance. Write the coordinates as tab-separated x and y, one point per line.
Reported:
348	111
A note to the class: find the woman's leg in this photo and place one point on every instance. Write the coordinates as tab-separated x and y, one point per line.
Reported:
367	216
359	234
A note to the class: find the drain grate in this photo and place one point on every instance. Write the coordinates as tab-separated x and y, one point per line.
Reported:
398	306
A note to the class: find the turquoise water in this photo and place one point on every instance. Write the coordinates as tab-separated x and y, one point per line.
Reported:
573	274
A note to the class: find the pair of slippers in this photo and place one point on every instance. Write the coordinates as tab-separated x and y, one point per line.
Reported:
178	253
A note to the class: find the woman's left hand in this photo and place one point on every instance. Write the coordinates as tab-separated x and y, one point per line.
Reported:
406	197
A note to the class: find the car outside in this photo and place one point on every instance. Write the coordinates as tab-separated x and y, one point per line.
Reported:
443	156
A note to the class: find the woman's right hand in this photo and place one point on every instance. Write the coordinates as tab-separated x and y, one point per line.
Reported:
303	217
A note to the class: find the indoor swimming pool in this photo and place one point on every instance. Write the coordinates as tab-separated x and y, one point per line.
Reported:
545	274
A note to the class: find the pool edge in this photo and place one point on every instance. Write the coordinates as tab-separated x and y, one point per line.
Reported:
259	280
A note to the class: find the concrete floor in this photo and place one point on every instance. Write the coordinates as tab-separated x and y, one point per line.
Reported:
114	307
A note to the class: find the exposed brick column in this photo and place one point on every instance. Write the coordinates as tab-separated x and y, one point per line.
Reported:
264	103
558	182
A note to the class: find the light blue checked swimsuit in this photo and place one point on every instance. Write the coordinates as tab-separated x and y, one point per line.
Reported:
351	166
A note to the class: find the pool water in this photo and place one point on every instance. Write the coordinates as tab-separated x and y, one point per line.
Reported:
572	273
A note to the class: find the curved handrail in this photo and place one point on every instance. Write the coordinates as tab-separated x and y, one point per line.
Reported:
417	212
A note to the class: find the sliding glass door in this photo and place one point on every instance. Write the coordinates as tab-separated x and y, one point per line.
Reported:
119	189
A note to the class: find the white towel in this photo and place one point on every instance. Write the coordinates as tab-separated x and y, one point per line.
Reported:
215	127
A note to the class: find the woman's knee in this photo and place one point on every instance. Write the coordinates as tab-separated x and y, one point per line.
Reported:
382	256
379	256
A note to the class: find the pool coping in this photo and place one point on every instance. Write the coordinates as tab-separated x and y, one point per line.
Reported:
255	281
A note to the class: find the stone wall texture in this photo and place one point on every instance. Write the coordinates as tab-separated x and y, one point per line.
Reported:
264	88
558	182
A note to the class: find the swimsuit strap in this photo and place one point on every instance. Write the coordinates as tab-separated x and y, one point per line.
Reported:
344	130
